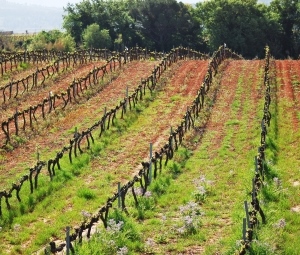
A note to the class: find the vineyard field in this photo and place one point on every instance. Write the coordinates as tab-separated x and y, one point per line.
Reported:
212	168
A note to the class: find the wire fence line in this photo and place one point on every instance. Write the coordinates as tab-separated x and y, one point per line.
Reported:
10	61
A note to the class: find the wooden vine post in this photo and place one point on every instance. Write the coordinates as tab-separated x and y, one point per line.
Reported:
68	240
150	166
119	195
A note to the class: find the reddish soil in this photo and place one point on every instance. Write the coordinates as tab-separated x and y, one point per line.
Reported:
224	99
180	85
288	74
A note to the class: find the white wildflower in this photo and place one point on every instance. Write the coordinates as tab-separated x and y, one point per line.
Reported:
280	224
122	251
17	227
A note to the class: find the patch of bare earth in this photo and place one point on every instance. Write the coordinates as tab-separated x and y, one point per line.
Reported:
296	183
296	209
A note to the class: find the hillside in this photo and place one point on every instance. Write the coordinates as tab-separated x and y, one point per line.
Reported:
194	203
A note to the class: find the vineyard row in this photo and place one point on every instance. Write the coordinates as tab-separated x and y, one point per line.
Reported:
251	221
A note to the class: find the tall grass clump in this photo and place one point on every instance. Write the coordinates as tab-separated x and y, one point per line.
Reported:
86	193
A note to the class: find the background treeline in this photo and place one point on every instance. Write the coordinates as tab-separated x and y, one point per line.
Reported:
246	26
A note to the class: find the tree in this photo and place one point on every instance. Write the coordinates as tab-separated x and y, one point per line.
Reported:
192	34
65	43
116	18
53	39
165	23
93	37
110	15
72	23
288	15
241	24
271	30
78	17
